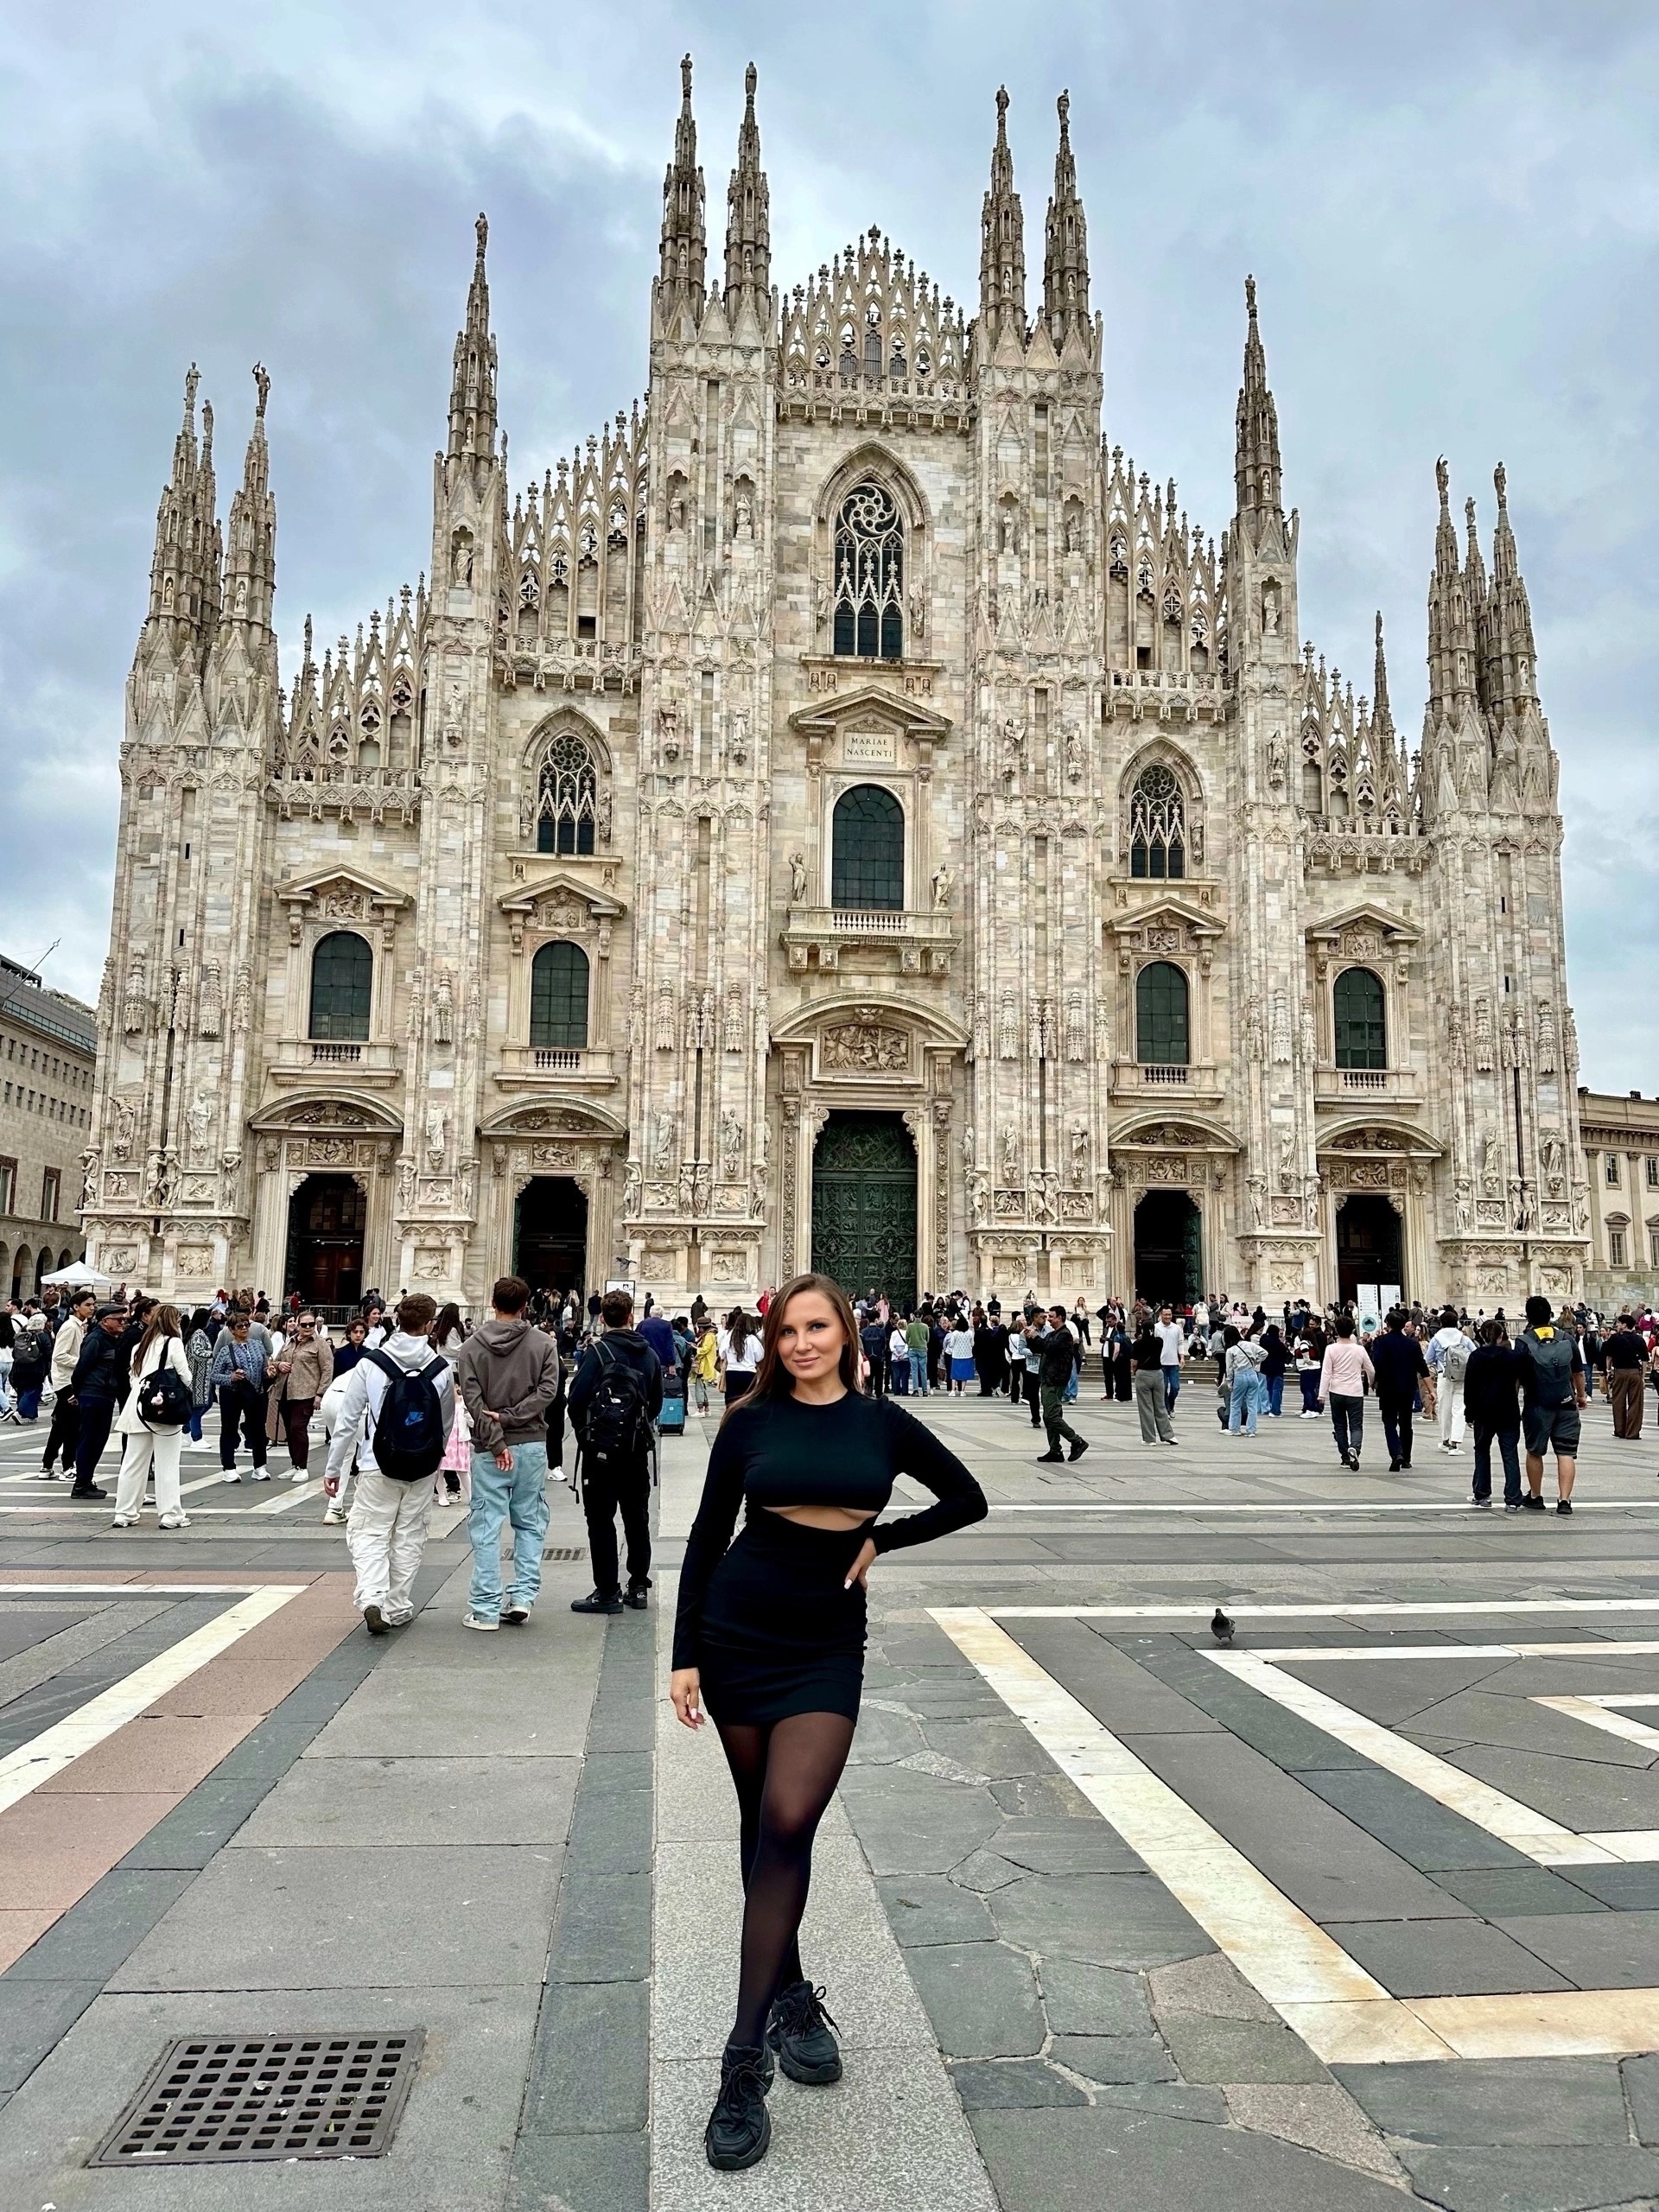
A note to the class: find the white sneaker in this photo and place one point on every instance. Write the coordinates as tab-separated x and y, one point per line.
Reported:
175	1521
230	1476
299	1475
124	1521
260	1475
333	1518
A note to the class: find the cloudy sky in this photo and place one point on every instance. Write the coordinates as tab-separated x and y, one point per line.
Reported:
1452	211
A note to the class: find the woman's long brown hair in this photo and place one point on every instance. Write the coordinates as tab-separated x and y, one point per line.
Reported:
773	1379
164	1321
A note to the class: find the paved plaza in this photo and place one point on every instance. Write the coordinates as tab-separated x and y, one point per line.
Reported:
1362	1908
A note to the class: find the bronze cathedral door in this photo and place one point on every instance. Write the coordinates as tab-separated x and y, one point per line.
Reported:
864	1205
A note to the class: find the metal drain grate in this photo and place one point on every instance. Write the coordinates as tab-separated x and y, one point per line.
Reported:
565	1551
209	2101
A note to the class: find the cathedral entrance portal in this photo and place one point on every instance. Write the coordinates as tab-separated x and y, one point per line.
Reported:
1369	1246
1168	1249
549	1235
326	1216
864	1205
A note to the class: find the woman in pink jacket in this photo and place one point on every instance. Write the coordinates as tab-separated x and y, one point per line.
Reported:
1343	1376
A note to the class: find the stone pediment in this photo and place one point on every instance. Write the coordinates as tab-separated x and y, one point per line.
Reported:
560	901
1161	1134
1366	927
339	894
869	702
1374	1138
554	1117
369	1117
1189	925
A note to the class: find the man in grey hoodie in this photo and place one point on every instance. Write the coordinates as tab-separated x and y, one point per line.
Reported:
508	1375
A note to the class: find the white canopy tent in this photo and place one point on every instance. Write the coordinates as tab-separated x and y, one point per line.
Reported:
78	1276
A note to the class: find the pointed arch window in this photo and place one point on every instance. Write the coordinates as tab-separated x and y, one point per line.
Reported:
558	996
342	984
1157	825
566	791
869	575
1360	1020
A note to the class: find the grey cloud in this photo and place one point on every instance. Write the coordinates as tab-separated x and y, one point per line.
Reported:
1453	216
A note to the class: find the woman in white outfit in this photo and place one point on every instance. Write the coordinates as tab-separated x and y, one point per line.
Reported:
147	1450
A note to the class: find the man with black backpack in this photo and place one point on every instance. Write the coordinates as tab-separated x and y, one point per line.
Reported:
400	1398
616	1396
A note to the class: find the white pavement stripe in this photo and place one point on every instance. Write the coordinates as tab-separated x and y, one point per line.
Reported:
1280	1951
296	1494
1345	2017
1360	1609
1318	1508
59	1746
1542	1839
1608	1645
137	1589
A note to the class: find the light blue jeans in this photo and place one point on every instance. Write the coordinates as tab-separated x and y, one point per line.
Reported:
519	1497
1247	1398
919	1373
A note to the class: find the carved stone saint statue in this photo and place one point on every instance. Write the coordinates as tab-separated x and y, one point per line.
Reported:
798	879
731	1145
199	1123
1462	1210
436	1129
1010	1157
631	1184
944	883
443	1008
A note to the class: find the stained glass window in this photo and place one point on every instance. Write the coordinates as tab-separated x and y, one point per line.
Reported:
1157	825
1361	1031
869	576
342	983
564	798
1160	1015
558	996
868	868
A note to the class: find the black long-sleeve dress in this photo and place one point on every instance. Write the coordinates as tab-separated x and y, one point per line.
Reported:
766	1619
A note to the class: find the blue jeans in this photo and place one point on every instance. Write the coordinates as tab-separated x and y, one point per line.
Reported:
29	1404
1172	1387
1309	1379
196	1413
1245	1404
917	1373
519	1496
1275	1394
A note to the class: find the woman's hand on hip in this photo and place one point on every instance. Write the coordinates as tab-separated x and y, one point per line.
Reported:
859	1571
685	1689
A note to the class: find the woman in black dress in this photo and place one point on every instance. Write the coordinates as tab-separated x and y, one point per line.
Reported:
771	1633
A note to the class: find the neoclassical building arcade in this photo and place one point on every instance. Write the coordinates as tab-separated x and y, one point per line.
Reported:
847	812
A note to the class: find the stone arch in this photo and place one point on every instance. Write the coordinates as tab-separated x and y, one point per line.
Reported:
1161	752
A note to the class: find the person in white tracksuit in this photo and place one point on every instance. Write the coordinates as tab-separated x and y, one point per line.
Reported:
1448	1351
147	1450
386	1528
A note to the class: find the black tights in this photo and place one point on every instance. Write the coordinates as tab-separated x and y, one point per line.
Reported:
785	1773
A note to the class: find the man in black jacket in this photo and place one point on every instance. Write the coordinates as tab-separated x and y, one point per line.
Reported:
1058	1354
97	1386
1626	1358
1492	1401
1398	1359
626	1487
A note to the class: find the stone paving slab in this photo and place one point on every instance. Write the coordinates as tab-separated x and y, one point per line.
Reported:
456	1801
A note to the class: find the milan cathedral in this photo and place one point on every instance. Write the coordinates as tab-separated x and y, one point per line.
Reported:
844	813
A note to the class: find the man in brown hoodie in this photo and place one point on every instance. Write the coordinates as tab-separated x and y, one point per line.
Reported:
508	1375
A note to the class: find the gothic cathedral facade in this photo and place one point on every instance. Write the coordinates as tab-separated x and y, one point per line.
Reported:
842	815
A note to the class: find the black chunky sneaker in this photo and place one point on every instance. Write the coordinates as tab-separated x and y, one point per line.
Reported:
739	2126
598	1601
798	2031
638	1595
